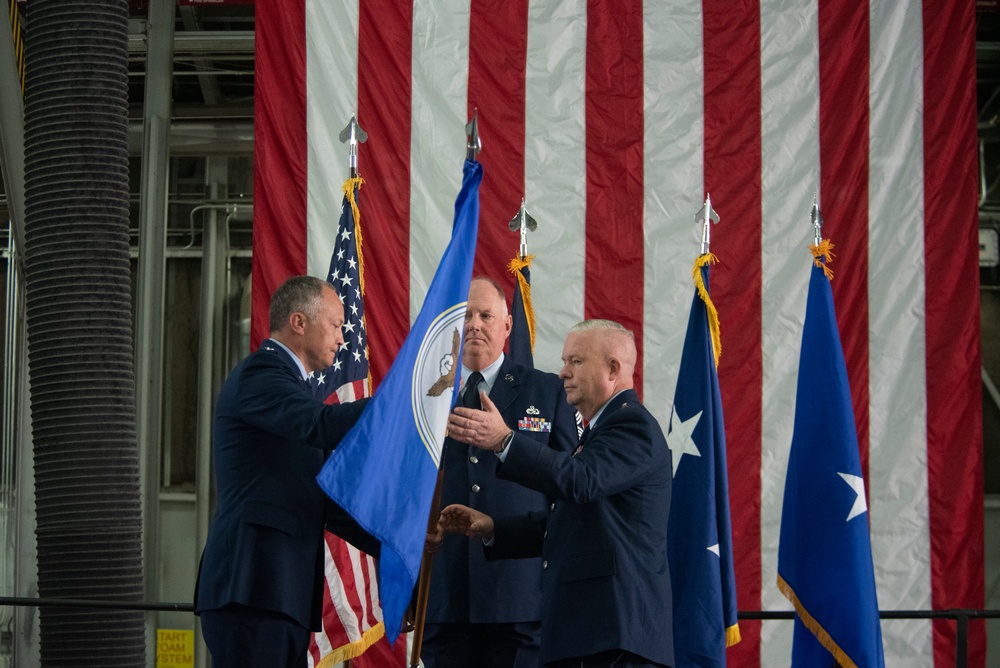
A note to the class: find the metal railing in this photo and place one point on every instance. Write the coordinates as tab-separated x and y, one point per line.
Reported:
961	616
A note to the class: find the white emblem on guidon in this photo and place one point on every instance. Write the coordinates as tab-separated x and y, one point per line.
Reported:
433	382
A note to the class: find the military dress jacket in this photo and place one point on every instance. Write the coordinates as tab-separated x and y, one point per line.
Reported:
605	583
465	587
269	442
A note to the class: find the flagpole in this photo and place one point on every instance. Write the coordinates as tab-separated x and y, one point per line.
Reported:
424	581
352	135
706	215
522	221
521	349
472	148
816	220
473	145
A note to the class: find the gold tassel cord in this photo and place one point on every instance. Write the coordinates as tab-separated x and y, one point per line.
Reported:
516	267
713	315
823	253
350	185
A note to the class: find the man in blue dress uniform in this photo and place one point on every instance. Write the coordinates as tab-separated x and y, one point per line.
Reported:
260	583
606	597
485	614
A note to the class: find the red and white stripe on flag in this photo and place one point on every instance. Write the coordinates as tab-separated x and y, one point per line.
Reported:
613	118
352	617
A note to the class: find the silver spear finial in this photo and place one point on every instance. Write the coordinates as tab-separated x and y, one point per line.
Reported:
473	145
352	135
706	215
523	221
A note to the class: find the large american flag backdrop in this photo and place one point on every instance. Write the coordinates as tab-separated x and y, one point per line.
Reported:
613	119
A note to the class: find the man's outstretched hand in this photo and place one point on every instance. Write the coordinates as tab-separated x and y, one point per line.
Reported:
457	518
484	428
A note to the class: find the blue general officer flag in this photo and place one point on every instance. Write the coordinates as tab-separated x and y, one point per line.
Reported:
824	551
384	471
699	534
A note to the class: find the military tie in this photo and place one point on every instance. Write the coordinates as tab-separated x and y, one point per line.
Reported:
470	398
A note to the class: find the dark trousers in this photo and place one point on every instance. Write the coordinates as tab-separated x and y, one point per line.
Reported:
613	659
238	636
481	645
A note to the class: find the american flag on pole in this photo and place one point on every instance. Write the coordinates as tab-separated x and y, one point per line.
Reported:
352	616
614	118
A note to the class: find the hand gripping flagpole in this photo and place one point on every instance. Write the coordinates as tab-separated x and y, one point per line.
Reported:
472	148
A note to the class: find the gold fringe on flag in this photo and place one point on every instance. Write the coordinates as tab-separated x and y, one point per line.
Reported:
516	266
713	315
350	185
823	253
733	635
354	649
814	626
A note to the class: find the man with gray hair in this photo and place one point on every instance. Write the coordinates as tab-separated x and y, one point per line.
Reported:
606	597
260	583
486	614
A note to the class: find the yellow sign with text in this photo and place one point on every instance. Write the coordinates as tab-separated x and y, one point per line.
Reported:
174	648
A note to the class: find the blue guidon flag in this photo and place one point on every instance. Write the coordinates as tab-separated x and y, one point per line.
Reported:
824	554
699	531
384	471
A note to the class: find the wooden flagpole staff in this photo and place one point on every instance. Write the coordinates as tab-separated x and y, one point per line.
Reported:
472	148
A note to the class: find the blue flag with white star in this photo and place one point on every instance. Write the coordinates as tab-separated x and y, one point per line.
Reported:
384	471
824	551
699	534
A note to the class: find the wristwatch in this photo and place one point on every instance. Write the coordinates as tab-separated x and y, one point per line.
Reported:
506	441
